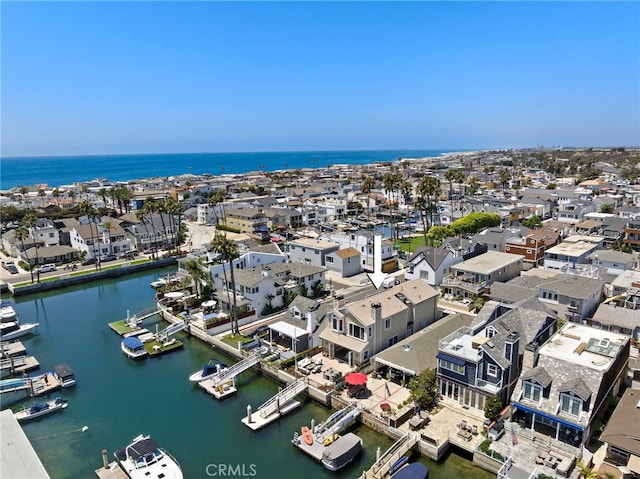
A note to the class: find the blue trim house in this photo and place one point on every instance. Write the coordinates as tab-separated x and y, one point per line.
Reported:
485	359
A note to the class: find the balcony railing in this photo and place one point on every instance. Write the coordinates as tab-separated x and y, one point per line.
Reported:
492	388
465	284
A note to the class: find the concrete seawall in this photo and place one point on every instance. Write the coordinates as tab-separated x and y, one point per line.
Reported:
69	280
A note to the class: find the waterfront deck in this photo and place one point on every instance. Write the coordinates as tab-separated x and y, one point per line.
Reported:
279	405
15	348
18	364
155	348
45	384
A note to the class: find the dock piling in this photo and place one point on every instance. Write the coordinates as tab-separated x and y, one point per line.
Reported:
105	461
249	414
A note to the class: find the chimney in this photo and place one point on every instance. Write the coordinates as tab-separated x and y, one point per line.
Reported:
376	312
312	321
511	345
530	356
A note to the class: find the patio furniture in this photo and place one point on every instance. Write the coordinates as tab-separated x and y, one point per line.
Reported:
474	429
419	420
466	435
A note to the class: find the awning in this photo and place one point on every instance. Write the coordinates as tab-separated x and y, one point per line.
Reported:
537	412
634	463
453	359
288	329
394	366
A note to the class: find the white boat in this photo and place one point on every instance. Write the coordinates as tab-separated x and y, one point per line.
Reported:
64	374
133	347
10	327
13	330
144	458
211	369
40	409
341	451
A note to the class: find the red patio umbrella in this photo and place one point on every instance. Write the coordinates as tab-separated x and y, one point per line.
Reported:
356	378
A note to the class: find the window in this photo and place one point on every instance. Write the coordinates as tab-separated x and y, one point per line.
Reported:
492	370
531	391
337	324
387	323
329	259
570	404
456	368
365	355
424	274
393	340
356	331
317	252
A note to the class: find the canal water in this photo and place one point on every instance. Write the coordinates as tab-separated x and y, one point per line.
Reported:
117	398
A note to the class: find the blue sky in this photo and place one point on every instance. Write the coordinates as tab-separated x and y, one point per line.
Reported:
126	77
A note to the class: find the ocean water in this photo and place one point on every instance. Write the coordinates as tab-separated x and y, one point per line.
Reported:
117	398
62	170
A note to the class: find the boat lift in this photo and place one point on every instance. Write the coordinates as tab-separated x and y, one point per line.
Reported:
163	336
133	321
383	463
277	406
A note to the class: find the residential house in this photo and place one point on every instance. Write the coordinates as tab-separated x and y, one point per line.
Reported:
470	278
431	264
345	262
619	319
250	259
484	359
632	234
614	261
620	437
566	384
152	232
574	212
360	329
246	220
532	246
44	232
311	251
282	218
572	297
363	242
495	239
574	250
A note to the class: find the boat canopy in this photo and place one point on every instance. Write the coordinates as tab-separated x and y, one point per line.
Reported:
341	447
132	342
415	470
137	449
63	370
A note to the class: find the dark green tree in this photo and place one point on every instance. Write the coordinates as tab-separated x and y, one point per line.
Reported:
492	407
423	389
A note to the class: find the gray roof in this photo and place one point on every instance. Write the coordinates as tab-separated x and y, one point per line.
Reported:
622	428
418	352
612	256
574	286
433	256
576	385
510	293
296	270
611	315
540	375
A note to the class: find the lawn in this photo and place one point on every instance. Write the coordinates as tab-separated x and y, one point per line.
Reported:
410	244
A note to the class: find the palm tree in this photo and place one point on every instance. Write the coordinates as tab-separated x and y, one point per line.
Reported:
174	210
22	234
217	199
229	250
429	191
142	215
197	273
87	209
29	221
23	194
367	187
56	193
41	194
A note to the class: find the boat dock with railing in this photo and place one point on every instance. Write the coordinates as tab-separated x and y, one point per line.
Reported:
326	432
279	405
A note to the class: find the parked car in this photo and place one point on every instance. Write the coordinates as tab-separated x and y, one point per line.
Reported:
12	268
45	268
108	257
88	261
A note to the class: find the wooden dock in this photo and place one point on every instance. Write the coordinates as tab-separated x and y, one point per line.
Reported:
45	384
113	471
380	469
18	364
154	348
15	348
279	405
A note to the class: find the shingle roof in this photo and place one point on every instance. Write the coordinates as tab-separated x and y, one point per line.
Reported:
540	375
577	386
347	253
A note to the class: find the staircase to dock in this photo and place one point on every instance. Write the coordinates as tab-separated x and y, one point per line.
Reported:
382	466
236	369
133	321
284	396
164	335
339	420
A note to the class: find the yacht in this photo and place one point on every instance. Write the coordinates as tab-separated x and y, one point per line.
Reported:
133	348
10	327
144	458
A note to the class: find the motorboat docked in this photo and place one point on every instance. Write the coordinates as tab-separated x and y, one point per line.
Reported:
10	326
40	409
144	458
341	451
133	347
171	278
14	330
64	375
415	470
211	369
